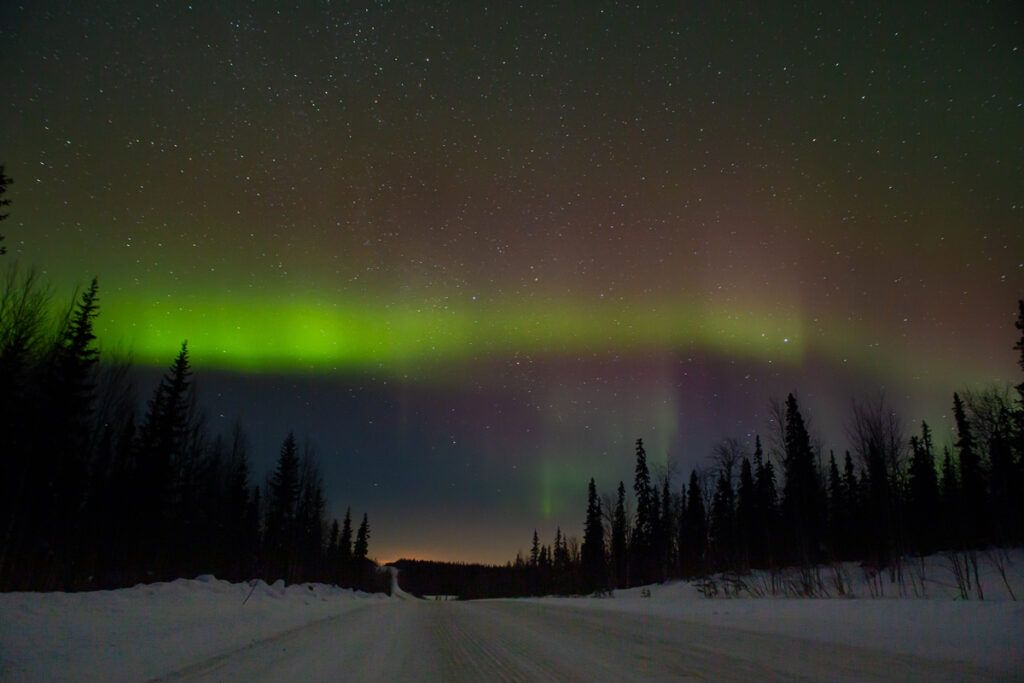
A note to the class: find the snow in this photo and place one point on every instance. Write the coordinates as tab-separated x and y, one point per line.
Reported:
206	629
396	590
923	618
149	630
983	633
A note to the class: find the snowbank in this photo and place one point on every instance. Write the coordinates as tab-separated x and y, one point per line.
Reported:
875	612
396	590
152	629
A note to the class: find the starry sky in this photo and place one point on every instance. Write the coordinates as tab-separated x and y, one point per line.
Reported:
473	251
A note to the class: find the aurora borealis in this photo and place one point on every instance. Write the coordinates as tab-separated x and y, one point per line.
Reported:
474	251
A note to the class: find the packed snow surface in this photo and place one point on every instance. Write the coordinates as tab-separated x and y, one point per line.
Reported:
205	629
152	629
988	634
914	609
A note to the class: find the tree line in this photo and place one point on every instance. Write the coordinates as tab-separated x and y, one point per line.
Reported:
794	504
99	491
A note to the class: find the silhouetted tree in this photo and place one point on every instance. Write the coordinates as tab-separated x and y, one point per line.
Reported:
972	481
563	572
767	506
746	514
693	550
893	506
4	182
836	511
949	489
620	548
593	556
282	499
722	524
333	538
24	342
360	552
544	569
113	514
1019	345
801	501
642	550
89	501
666	530
24	304
878	439
1018	417
68	392
309	517
991	414
678	571
162	447
922	494
853	512
238	536
344	561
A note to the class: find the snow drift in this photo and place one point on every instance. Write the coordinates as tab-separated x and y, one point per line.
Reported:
153	629
917	612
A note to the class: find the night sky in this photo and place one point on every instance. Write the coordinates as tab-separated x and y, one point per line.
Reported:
473	252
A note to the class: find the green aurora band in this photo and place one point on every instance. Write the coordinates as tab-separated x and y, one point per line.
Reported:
257	335
309	335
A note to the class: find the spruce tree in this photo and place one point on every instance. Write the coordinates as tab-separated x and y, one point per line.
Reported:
115	553
746	514
852	513
592	553
361	549
559	563
666	530
878	540
836	511
69	395
333	537
767	503
344	560
642	545
166	427
1019	346
310	518
253	531
236	504
163	440
360	552
801	501
922	494
4	182
681	530
973	504
1018	442
722	526
1002	506
282	500
24	305
949	486
694	550
620	550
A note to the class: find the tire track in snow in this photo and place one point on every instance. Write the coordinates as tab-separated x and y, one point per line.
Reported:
519	641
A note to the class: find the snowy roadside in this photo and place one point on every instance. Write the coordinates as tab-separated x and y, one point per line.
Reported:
151	630
925	620
983	633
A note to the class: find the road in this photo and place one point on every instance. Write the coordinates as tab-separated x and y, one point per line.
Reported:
518	641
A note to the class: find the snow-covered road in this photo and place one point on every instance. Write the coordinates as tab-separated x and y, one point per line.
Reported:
415	640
